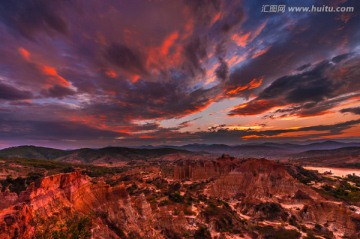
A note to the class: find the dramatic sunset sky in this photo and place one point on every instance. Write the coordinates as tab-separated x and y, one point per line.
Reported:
134	72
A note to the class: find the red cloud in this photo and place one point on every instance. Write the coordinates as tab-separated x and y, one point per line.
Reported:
24	53
241	40
168	43
54	76
253	107
254	83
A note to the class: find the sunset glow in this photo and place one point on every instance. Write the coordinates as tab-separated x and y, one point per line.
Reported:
133	76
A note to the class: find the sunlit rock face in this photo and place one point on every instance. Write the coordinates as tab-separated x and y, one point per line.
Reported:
62	196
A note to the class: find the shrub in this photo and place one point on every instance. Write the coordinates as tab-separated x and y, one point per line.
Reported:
202	233
176	197
270	210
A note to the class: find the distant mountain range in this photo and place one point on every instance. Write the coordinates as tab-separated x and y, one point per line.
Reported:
347	157
266	150
120	154
88	155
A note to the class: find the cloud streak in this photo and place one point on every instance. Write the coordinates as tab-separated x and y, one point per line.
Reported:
309	92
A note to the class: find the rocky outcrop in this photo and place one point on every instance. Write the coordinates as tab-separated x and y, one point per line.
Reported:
336	215
202	169
260	187
259	178
7	198
62	196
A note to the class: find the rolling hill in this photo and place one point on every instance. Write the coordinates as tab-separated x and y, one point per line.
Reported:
88	155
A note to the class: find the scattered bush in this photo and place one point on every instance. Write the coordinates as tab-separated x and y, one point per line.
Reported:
176	197
303	175
271	211
202	233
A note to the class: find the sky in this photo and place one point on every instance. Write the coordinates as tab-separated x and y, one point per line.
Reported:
96	73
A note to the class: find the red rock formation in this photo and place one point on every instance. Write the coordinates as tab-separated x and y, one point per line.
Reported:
202	169
337	215
255	182
7	198
64	195
260	179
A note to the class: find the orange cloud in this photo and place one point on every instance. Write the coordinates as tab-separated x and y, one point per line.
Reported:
168	52
188	28
253	137
296	134
24	53
199	108
51	71
168	43
236	59
111	73
253	107
99	122
258	30
134	78
216	18
254	83
54	77
347	133
260	52
241	40
146	136
237	90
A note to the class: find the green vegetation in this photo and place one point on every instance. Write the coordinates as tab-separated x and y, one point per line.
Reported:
271	211
164	203
317	232
302	175
170	233
189	212
353	178
311	236
39	163
20	184
286	234
31	152
77	227
54	167
160	183
344	191
202	233
38	167
132	189
351	165
223	217
175	197
198	185
282	233
293	221
98	171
